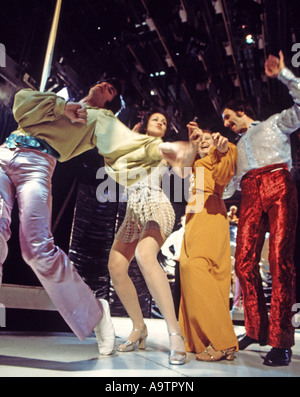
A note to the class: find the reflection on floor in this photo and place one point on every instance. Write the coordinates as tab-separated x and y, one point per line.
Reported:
63	355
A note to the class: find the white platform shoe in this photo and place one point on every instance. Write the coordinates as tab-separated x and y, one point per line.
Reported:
105	332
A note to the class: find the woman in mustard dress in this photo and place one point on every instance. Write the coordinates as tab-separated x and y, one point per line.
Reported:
205	264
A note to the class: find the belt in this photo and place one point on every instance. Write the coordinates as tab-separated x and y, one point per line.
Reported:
14	141
263	170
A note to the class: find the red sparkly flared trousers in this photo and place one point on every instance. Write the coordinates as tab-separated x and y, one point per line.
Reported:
268	196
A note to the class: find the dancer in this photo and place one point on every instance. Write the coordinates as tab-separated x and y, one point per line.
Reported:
264	161
149	220
51	129
236	313
174	241
232	215
205	264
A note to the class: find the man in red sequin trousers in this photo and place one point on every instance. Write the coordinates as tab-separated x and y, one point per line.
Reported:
268	196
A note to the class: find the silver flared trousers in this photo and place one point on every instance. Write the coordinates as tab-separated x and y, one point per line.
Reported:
26	174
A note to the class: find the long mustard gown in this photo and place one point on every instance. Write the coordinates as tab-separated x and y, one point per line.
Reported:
205	263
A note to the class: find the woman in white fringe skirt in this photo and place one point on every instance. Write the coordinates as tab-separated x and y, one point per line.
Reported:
148	221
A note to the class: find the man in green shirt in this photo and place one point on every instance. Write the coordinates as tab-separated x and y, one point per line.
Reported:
51	129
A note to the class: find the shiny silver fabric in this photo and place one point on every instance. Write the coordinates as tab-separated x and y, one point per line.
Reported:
268	142
26	174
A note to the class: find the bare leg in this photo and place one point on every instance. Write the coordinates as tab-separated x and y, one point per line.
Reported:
157	282
120	257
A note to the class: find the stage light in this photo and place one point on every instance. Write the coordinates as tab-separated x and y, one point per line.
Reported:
157	74
249	39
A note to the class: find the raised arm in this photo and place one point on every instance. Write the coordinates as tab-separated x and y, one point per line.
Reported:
181	155
289	119
224	157
274	65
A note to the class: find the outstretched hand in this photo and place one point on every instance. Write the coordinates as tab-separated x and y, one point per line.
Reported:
220	142
180	155
274	65
191	126
76	112
195	138
195	135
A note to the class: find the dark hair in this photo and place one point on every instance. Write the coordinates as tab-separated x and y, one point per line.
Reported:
240	106
115	104
145	120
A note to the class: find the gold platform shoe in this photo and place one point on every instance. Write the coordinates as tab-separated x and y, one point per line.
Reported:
129	345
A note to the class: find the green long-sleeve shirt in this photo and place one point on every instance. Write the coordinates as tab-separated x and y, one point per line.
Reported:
125	152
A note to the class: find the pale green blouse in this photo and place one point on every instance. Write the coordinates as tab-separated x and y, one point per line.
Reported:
127	154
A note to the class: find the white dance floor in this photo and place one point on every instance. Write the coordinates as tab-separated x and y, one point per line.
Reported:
63	355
